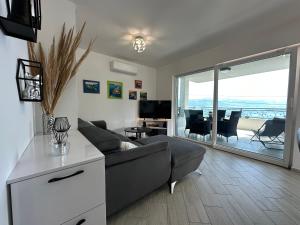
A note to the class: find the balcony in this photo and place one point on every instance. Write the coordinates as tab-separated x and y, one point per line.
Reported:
251	120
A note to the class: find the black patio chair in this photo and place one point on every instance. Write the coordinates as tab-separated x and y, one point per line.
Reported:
228	128
198	113
221	114
187	119
190	116
200	127
271	129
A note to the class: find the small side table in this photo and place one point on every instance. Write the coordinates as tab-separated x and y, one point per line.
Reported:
138	131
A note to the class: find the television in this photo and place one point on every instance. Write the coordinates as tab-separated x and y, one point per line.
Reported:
155	109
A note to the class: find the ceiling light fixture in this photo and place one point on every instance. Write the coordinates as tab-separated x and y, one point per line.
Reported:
225	69
139	44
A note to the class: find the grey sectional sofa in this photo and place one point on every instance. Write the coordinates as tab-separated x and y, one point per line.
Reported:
134	173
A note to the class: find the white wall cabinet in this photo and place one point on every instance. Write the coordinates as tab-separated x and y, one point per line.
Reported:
54	190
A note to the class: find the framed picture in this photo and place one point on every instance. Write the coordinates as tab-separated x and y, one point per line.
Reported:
91	86
143	95
138	84
132	95
114	89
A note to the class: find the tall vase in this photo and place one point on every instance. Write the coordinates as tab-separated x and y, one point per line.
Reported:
48	121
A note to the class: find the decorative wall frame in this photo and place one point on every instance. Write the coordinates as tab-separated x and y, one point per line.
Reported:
29	78
143	96
114	90
138	84
91	86
132	95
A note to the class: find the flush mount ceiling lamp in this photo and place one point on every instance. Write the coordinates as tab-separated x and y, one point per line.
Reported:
139	44
225	69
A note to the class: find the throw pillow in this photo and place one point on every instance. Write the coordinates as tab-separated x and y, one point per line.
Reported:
91	123
127	146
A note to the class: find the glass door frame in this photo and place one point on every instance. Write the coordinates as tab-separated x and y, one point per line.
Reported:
175	100
290	110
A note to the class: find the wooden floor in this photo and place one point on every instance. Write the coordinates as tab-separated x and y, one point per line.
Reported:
232	191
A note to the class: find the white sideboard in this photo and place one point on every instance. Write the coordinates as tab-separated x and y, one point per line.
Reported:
55	190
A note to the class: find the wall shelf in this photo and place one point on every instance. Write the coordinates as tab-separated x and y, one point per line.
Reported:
23	19
18	30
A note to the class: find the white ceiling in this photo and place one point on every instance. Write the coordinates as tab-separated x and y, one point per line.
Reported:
281	62
178	27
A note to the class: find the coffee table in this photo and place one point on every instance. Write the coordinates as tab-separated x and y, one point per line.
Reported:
138	131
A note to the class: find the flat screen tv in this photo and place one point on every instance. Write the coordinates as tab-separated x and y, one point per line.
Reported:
155	109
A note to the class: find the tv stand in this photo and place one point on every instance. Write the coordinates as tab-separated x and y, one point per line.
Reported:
157	126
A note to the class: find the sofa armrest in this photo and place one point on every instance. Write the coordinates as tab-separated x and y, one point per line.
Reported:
130	175
120	157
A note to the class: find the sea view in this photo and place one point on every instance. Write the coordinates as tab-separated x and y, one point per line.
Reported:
264	108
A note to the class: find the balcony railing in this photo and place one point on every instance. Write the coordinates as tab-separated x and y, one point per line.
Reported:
248	113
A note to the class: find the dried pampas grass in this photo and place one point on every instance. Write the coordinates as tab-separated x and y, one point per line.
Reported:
60	65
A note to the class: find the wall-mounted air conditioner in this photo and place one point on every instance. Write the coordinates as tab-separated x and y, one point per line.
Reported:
124	68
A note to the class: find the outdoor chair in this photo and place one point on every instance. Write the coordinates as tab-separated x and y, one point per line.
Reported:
190	116
271	129
221	114
198	113
228	127
187	119
200	127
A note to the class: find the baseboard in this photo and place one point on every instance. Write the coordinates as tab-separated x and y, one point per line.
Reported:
296	170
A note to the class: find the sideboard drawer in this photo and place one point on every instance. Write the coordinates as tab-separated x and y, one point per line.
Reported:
60	196
96	216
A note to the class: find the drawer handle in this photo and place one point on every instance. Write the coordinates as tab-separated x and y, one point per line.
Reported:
62	178
81	222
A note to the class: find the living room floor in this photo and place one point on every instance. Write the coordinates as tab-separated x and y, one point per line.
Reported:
231	191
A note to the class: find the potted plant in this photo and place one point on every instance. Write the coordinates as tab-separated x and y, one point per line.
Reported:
59	67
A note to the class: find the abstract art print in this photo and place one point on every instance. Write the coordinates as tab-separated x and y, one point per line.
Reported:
114	89
132	95
143	96
91	86
138	84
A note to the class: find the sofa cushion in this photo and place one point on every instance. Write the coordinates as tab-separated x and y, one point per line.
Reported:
82	123
181	150
100	124
118	157
120	136
102	139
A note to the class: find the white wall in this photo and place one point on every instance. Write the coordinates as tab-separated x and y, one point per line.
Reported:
118	113
74	104
16	117
54	14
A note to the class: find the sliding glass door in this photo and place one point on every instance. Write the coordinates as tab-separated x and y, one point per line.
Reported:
241	107
195	106
254	98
